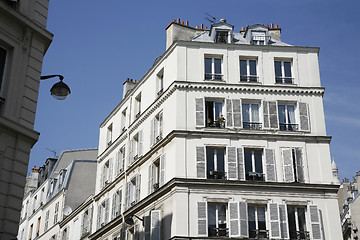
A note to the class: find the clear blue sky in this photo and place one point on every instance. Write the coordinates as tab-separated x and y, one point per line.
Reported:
98	44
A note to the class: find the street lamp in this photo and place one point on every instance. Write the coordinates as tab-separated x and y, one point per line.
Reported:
59	90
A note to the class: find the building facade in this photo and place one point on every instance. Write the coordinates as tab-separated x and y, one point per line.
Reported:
23	42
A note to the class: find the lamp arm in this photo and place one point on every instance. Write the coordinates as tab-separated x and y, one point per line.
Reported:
61	77
141	219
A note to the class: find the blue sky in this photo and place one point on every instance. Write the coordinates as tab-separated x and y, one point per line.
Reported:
98	44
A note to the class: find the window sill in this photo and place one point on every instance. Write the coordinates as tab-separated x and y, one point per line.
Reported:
215	80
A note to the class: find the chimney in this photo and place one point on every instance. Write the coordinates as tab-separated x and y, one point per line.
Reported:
275	33
129	84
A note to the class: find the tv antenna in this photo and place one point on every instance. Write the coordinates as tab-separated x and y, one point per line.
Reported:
212	17
52	150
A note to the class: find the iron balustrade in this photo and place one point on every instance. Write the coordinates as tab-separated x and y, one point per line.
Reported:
259	234
213	76
252	125
300	235
284	80
289	127
254	176
216	124
216	175
249	78
220	231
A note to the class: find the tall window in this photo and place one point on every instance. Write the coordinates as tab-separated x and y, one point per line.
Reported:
157	128
46	220
217	220
120	163
138	105
248	71
123	120
86	221
221	36
65	233
293	164
214	114
103	213
287	120
160	82
257	222
109	135
253	164
38	226
213	68
283	72
297	222
106	173
132	191
251	119
31	231
136	146
56	212
116	204
215	163
154	176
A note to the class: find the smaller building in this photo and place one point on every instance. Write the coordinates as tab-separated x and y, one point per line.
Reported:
349	207
57	193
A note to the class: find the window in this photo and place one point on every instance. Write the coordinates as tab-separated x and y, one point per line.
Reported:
123	120
217	220
138	105
106	173
253	164
56	213
283	72
156	128
136	146
116	204
248	71
120	163
47	214
103	213
156	174
258	38
2	70
34	203
109	135
214	114
65	233
132	233
160	82
215	163
221	36
86	221
213	68
293	165
38	227
297	222
132	191
257	222
31	231
251	119
287	120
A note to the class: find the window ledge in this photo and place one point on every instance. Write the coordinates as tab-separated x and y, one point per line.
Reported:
214	81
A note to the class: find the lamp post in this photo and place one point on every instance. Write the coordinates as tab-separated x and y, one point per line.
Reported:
59	90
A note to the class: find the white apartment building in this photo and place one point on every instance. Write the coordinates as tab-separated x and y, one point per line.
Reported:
223	137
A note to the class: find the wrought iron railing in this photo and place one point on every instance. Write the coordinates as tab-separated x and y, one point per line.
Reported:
254	176
218	232
289	127
249	78
284	80
216	174
216	124
299	235
213	76
252	125
259	234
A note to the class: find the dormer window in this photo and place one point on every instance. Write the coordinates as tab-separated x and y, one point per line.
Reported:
222	36
258	38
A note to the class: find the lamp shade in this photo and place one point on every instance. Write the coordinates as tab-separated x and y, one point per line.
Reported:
60	91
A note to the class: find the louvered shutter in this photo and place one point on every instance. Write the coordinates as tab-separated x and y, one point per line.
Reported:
232	163
150	187
314	222
234	230
288	165
161	125
123	232
131	153
284	228
147	227
273	115
202	219
98	217
274	220
140	142
83	223
152	134
102	176
127	198
162	170
237	112
270	165
241	165
111	165
122	165
137	188
229	113
113	206
243	216
117	165
136	232
155	224
299	165
119	203
200	112
107	205
200	162
266	115
91	212
304	116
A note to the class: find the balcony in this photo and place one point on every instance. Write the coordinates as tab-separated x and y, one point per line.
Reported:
289	127
299	235
216	175
252	125
284	80
249	78
254	176
213	76
215	124
258	234
220	231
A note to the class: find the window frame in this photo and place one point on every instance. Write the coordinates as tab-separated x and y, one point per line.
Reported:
254	174
296	216
213	76
257	230
288	125
214	122
138	105
160	82
216	173
109	135
219	230
253	125
248	77
283	79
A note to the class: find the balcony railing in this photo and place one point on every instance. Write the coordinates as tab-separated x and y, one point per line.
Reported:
249	78
218	232
259	234
252	125
213	76
216	174
299	235
289	127
284	80
215	124
254	176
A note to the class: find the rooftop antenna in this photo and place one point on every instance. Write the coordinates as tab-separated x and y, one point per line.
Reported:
213	18
51	150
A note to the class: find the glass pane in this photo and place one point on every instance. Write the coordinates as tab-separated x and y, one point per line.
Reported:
217	62
292	223
212	215
252	64
254	112
282	116
278	69
251	221
291	113
245	112
210	159
220	160
251	213
243	68
209	111
218	109
261	218
208	62
248	161
287	69
258	161
222	214
301	219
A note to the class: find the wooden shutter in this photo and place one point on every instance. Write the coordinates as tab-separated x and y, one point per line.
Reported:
202	219
241	165
234	225
200	112
232	163
304	116
102	176
314	222
127	198
161	125
147	227
131	154
119	203
140	142
274	220
150	187
107	205
122	164
117	165
243	216
284	228
299	165
98	217
155	224
111	166
91	212
288	164
162	170
266	115
273	115
270	165
229	113
137	188
113	206
237	112
200	162
152	134
136	232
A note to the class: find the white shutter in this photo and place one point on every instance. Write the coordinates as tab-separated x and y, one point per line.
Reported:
102	176
155	224
288	164
161	125
117	163
273	115
147	227
237	112
284	228
299	165
131	151
150	182
232	163
314	222
152	134
202	219
140	142
162	170
107	205
304	116
200	112
229	113
127	198
98	216
274	220
241	165
234	230
113	206
122	163
200	162
119	203
266	115
136	232
110	175
243	216
270	165
89	222
137	188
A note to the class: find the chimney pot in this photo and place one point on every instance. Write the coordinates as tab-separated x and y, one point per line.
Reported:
168	24
197	27
223	20
202	26
205	27
247	26
267	25
242	29
276	26
187	23
272	25
182	22
178	20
